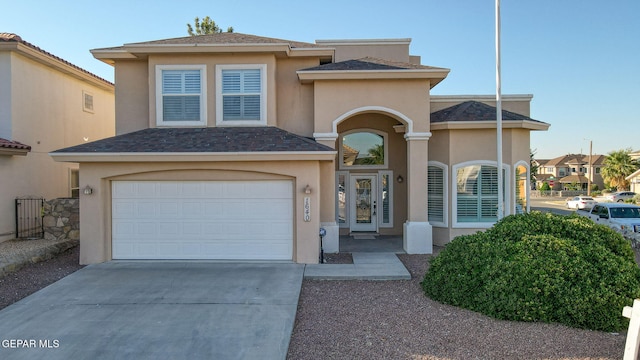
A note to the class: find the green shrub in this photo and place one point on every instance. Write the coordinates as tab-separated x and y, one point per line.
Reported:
539	267
545	187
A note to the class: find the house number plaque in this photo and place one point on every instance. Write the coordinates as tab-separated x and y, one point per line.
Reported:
307	209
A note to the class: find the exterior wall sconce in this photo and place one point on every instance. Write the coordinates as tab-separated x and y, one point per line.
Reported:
400	179
307	189
87	190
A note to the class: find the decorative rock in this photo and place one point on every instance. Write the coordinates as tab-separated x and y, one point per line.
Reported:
61	219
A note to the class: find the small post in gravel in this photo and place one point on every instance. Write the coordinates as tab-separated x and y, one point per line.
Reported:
323	232
633	334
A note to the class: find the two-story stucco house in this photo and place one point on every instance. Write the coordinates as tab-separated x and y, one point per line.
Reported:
234	146
567	170
46	103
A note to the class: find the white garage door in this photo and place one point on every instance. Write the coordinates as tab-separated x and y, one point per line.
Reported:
235	220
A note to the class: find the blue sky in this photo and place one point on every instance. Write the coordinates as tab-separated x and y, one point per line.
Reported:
579	58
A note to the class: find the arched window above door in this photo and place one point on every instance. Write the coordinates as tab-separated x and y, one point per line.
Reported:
363	149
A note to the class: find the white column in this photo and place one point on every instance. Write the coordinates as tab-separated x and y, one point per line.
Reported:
417	232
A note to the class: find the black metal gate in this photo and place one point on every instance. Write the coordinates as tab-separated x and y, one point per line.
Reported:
29	214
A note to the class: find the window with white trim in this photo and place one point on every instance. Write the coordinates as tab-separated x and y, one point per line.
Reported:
436	182
181	95
385	181
522	181
74	183
363	148
240	95
342	213
477	194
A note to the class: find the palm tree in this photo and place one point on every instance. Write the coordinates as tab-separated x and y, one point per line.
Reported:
376	156
617	166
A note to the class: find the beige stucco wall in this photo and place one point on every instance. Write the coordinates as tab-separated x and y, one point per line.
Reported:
95	222
45	112
289	103
211	62
132	96
392	49
453	147
294	100
333	99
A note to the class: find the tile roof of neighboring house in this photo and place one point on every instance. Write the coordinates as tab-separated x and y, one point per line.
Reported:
474	111
8	144
368	63
574	179
205	140
543	177
576	159
226	38
9	37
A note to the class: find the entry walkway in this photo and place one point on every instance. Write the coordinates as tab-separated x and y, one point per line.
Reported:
366	266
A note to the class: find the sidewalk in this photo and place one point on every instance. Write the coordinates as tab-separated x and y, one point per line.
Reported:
366	266
14	254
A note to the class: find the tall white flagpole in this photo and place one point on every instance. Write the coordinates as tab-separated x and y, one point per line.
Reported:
499	116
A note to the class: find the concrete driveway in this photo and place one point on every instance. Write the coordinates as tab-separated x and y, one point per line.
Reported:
157	310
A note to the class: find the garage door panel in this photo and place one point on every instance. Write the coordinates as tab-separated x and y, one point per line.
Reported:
202	220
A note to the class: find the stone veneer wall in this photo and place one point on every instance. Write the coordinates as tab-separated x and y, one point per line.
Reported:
62	219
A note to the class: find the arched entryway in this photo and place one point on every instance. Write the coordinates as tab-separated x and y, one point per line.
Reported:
371	166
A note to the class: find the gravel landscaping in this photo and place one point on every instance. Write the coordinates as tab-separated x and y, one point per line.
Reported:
395	320
33	277
384	320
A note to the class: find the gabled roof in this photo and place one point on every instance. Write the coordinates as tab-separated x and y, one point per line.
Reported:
8	147
213	43
580	179
225	38
201	140
14	42
368	68
369	63
474	113
576	159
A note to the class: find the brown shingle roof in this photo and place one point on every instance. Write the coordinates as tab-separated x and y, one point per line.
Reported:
574	179
474	111
368	63
9	37
205	140
8	144
226	39
576	159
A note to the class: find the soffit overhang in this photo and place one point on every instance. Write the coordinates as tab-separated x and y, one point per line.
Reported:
473	125
195	157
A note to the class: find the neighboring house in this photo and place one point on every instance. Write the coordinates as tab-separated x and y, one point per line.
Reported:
234	146
563	171
634	182
45	103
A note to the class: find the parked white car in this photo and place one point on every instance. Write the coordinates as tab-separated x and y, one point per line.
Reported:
581	202
620	196
624	218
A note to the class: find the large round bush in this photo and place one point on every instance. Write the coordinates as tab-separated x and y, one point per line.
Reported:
539	267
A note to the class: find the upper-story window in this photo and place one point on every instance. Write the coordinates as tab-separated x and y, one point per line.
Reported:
240	95
181	95
364	149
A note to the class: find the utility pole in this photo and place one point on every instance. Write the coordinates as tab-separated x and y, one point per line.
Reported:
590	169
499	116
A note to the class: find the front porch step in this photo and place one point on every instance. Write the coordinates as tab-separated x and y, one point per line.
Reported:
366	266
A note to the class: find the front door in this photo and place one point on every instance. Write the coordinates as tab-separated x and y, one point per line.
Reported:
363	208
